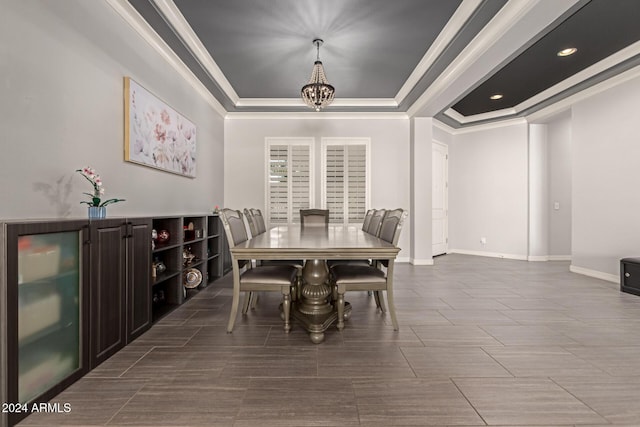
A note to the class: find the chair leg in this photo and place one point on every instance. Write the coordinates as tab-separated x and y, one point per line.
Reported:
392	309
247	301
380	301
286	309
254	300
234	310
340	307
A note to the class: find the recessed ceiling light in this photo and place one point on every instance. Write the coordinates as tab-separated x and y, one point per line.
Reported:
568	51
496	96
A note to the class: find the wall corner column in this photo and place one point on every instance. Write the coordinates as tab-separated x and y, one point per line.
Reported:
420	214
538	232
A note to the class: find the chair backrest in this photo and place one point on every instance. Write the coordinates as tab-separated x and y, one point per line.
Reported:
234	228
253	227
391	225
258	219
376	220
367	220
314	217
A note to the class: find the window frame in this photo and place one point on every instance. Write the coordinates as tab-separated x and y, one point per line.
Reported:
345	141
289	142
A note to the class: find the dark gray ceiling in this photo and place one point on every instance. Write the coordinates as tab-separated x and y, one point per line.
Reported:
421	57
598	29
371	46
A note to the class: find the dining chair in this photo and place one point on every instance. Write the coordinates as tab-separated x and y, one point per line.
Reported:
314	217
253	227
367	220
257	227
259	220
260	278
376	278
375	222
365	226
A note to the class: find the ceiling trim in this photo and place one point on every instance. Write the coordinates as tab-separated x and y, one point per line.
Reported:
448	33
297	102
504	20
497	114
137	22
480	127
605	64
566	103
176	20
318	116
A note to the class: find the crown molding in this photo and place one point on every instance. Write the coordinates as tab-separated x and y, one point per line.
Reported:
298	102
312	115
505	112
133	18
453	27
505	19
177	21
443	126
568	102
584	75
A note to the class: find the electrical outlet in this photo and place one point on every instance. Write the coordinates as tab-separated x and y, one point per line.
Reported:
483	240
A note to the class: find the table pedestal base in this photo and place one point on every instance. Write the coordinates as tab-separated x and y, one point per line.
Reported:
316	324
313	309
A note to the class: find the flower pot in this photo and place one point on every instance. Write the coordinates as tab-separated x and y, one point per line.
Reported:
97	212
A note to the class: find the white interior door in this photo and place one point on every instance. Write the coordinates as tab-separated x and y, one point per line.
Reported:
440	233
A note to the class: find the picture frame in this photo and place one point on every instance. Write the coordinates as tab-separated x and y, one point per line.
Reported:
155	134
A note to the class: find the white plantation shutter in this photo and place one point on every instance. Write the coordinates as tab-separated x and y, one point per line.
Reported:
300	180
278	184
345	179
290	179
334	183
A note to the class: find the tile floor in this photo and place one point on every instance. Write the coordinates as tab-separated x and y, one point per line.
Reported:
483	341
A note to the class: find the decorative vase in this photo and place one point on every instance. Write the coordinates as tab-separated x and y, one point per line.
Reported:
97	212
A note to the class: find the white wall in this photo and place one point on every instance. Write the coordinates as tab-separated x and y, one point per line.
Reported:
606	174
538	193
245	145
421	167
62	65
488	190
559	164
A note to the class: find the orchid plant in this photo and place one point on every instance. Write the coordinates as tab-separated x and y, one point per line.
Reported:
98	190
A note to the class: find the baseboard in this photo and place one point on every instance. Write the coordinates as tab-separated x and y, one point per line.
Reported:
549	258
595	273
559	257
403	259
488	254
538	258
421	261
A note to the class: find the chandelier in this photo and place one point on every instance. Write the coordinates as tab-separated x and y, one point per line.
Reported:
318	93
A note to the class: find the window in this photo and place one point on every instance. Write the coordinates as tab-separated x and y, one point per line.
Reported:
290	178
345	179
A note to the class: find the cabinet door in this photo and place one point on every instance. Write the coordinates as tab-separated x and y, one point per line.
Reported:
47	310
138	277
108	288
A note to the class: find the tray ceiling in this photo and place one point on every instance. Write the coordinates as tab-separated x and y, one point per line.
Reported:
440	58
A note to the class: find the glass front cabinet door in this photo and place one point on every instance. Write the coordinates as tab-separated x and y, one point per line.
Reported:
46	310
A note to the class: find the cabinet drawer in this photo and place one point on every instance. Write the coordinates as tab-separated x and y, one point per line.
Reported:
630	275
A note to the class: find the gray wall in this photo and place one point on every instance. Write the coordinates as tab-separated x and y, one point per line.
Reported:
245	145
62	65
606	200
488	191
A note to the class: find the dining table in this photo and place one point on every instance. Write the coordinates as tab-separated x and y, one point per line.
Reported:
313	306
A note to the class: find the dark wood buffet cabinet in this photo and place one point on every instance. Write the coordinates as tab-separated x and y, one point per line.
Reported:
74	292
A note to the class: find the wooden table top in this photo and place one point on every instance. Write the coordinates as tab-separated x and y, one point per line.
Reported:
332	242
